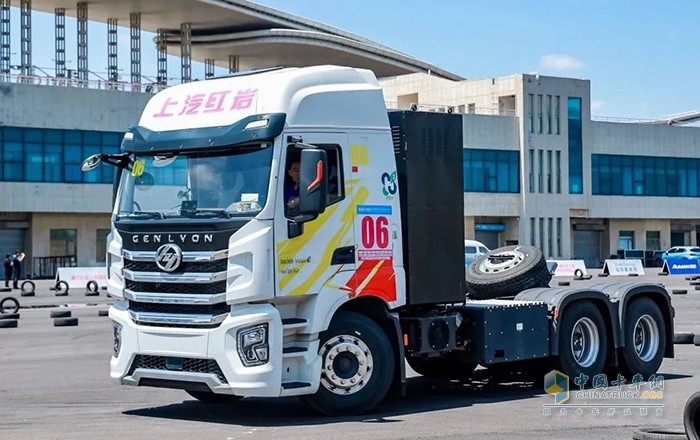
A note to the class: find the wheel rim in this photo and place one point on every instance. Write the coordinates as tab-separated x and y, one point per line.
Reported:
646	338
502	261
347	365
585	342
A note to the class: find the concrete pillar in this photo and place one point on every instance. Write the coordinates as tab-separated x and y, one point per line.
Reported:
185	52
83	42
232	64
208	68
135	29
60	55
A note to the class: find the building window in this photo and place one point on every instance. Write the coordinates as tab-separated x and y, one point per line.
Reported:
650	176
48	155
539	114
550	235
496	171
460	108
540	170
653	240
575	147
531	112
557	117
63	243
531	166
101	245
626	240
532	231
559	253
471	108
549	171
542	234
549	114
557	168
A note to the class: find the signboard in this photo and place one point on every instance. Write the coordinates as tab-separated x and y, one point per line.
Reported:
681	266
623	267
498	227
568	268
78	277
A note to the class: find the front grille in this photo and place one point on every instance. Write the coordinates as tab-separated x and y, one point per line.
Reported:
191	267
183	309
190	365
188	288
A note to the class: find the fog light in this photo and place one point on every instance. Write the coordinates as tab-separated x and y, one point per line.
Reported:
253	348
117	335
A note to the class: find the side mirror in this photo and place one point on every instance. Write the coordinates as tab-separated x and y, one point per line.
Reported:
91	162
313	181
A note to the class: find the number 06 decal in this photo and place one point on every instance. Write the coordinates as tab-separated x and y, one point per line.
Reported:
375	232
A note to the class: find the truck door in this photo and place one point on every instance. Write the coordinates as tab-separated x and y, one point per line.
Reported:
308	255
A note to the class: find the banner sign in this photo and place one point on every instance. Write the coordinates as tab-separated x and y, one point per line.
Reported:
78	277
681	266
567	268
623	267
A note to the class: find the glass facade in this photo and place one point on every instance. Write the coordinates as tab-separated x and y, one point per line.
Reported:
623	175
575	147
49	155
495	171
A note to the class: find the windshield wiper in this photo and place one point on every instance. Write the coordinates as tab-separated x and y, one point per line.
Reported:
219	212
146	214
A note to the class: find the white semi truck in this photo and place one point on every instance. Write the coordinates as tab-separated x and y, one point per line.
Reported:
281	233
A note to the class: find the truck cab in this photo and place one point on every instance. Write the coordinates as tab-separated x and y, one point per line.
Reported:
279	233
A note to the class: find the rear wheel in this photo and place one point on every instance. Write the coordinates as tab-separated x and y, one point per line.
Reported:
209	397
358	366
583	340
645	338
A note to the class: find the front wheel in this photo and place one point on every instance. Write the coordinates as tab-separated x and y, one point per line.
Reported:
583	340
358	366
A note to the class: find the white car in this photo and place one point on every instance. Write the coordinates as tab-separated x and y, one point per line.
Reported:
472	249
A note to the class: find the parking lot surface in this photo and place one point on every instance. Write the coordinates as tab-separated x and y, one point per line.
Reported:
55	385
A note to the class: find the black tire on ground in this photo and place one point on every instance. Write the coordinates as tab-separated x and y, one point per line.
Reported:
531	271
60	314
691	417
88	293
26	294
683	338
564	283
578	273
659	433
642	316
447	367
8	323
349	330
92	286
28	286
213	398
4	302
65	322
696	340
679	291
587	315
61	288
9	316
103	313
602	275
5	289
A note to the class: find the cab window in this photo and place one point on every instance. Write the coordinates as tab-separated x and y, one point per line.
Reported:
336	187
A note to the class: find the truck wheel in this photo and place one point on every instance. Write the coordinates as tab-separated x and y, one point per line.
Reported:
9	299
209	397
507	271
583	340
449	366
691	417
645	338
358	366
659	433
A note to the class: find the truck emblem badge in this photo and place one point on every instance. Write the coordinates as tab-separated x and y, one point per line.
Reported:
168	257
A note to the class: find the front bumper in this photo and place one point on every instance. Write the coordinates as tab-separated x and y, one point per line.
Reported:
211	358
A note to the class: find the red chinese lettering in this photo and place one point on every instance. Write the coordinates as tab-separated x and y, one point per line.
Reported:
215	102
163	111
243	99
192	103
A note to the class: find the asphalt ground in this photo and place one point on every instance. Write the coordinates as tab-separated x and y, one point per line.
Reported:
54	384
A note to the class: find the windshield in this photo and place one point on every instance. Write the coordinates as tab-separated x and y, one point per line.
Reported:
231	183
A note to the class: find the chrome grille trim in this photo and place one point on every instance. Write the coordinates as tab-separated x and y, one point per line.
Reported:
164	277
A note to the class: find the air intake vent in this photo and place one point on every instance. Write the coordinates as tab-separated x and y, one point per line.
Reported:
396	138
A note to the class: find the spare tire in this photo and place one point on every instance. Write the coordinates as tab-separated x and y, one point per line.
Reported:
507	271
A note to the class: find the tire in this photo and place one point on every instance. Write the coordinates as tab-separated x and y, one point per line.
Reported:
643	315
65	322
28	287
659	433
60	314
61	288
366	344
9	299
691	417
585	317
92	286
446	367
4	316
103	313
486	279
213	398
26	294
8	323
683	338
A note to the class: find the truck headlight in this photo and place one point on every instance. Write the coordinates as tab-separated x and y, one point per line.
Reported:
253	348
117	336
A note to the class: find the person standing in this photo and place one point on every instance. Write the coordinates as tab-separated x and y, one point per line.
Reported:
8	269
17	268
